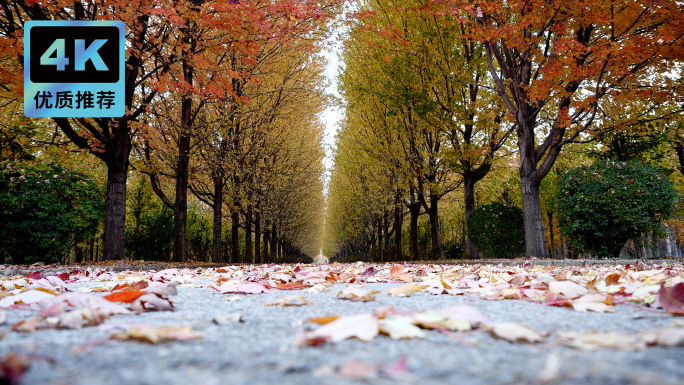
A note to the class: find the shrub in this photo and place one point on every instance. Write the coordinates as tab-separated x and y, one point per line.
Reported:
151	239
604	205
498	231
453	250
44	209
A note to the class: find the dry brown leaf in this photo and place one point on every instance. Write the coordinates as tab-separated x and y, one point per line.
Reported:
357	293
567	288
398	327
290	301
667	336
514	332
78	318
588	341
147	333
151	302
362	326
406	290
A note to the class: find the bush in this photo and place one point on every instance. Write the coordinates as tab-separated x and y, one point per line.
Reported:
151	239
453	250
604	205
44	209
498	231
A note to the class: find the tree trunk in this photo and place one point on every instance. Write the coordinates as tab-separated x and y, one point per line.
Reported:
279	245
469	199
413	232
180	243
398	222
248	235
381	255
535	244
274	246
434	229
257	238
551	235
235	235
385	230
218	220
267	242
114	238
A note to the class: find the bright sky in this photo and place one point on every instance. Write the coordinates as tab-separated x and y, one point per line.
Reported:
331	116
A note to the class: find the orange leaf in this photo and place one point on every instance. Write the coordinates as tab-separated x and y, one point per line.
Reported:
324	320
124	296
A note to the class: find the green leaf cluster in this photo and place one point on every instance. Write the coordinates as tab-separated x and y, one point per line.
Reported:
44	210
603	205
498	230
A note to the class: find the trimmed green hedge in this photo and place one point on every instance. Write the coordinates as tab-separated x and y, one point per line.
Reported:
498	231
604	205
44	209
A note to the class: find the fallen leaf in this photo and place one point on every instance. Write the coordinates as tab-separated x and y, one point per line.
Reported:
469	313
398	370
406	290
3	316
151	302
147	333
26	326
78	318
163	289
357	293
398	327
13	367
667	336
588	341
356	370
228	319
244	288
124	296
671	299
514	332
595	302
317	288
362	326
233	298
324	320
290	301
80	300
28	297
567	288
612	278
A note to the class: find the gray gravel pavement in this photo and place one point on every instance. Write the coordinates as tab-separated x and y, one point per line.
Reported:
260	350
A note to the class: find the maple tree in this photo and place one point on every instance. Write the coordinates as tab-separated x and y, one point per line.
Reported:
557	65
167	53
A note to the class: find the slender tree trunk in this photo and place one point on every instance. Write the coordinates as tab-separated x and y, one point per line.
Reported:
380	245
385	230
114	238
248	235
469	199
257	238
235	235
535	244
267	242
551	235
434	228
279	245
398	223
274	246
413	232
218	220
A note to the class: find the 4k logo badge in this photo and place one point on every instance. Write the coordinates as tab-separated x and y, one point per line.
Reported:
74	68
